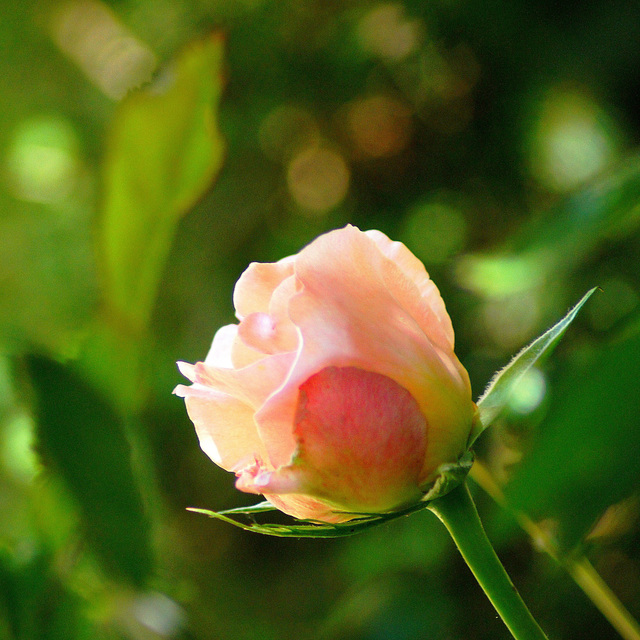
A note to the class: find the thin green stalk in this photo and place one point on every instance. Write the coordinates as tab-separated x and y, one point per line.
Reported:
458	513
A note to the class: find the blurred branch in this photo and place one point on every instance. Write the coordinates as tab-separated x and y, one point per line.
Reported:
578	567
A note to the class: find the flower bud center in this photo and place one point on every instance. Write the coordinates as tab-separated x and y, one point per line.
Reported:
361	439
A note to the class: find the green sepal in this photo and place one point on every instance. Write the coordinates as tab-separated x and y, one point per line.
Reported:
307	528
450	475
497	394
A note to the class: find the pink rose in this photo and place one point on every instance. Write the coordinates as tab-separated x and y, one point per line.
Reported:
339	390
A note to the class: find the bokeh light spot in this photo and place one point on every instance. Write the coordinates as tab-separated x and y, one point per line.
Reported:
435	231
159	614
572	141
386	32
499	275
18	455
42	160
529	392
510	322
318	179
379	126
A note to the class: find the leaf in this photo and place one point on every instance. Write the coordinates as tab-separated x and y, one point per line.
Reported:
585	457
81	438
497	394
163	152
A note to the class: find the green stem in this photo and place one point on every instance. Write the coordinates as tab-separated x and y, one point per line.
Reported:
457	512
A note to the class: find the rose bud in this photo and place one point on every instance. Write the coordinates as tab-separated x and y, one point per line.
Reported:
339	391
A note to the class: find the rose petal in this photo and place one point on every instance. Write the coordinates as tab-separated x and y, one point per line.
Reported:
220	351
253	290
419	295
307	508
266	334
224	425
243	355
361	439
252	384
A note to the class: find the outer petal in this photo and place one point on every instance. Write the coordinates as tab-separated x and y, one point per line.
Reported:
425	304
221	348
307	508
361	446
348	316
252	384
361	439
235	394
253	290
224	426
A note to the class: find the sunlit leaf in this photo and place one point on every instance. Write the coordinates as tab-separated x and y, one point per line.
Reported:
164	150
585	457
82	438
497	394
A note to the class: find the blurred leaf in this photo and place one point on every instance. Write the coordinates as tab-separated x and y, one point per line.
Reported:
586	457
497	394
163	152
82	438
555	242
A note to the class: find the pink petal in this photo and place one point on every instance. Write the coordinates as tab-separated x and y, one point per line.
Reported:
418	294
267	334
220	351
252	384
362	440
224	425
307	508
253	290
229	390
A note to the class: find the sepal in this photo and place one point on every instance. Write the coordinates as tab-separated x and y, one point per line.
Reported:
498	392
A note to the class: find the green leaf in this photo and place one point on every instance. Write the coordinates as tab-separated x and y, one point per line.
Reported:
82	439
585	456
497	394
164	150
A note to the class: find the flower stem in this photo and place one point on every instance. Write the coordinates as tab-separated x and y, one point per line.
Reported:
458	513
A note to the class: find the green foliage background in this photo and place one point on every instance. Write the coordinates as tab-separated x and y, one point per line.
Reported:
150	149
